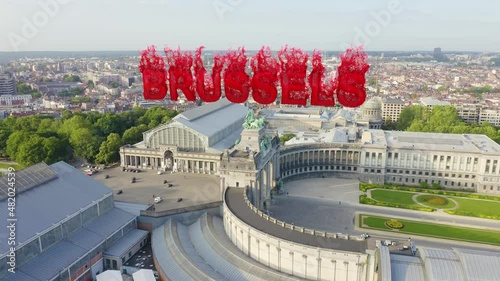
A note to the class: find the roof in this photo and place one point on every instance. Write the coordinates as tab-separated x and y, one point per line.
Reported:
131	207
205	109
441	265
64	195
237	205
428	101
445	142
49	263
110	275
479	265
385	262
121	247
212	118
407	268
393	101
26	178
144	275
107	224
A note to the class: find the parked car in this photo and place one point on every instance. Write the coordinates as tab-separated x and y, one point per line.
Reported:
179	199
157	199
170	185
119	191
106	177
165	181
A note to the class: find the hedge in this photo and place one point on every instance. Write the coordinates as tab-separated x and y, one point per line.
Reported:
364	199
471	214
366	186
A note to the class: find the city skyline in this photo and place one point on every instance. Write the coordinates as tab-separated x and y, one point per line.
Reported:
389	25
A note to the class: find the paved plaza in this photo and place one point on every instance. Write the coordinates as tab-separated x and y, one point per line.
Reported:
193	189
314	203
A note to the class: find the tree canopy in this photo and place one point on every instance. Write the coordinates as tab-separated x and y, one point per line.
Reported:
91	135
441	119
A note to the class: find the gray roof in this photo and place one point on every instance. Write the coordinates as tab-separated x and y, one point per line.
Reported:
26	179
166	261
86	238
49	263
385	262
406	268
237	205
212	118
479	265
441	265
64	196
19	275
121	247
131	207
61	255
106	225
393	100
205	109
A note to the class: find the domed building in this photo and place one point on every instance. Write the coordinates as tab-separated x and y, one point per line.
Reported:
371	115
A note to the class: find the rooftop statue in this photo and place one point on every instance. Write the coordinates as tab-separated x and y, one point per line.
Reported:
251	122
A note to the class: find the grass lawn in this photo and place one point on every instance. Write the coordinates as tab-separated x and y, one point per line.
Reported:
434	230
6	166
489	208
391	196
448	205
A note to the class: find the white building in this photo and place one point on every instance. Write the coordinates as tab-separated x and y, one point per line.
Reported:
391	108
15	100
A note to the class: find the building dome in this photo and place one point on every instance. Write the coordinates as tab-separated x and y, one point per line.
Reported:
371	112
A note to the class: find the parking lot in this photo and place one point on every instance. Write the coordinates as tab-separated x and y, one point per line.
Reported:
193	189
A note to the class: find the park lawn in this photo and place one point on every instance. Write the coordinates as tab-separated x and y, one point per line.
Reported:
6	166
392	196
450	204
434	230
488	208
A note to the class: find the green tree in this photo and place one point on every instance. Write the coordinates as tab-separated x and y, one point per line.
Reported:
90	84
131	117
74	123
31	151
56	150
14	142
156	116
85	143
134	134
66	114
109	123
4	136
109	150
71	78
286	137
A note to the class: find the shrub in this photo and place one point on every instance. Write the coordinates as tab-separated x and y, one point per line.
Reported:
424	185
471	214
435	200
461	192
394	224
364	199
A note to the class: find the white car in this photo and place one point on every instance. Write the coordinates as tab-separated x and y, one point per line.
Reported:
157	199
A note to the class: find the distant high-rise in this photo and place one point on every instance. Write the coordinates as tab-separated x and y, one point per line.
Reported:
7	85
437	53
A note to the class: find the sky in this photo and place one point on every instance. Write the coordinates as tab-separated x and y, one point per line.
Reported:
123	25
